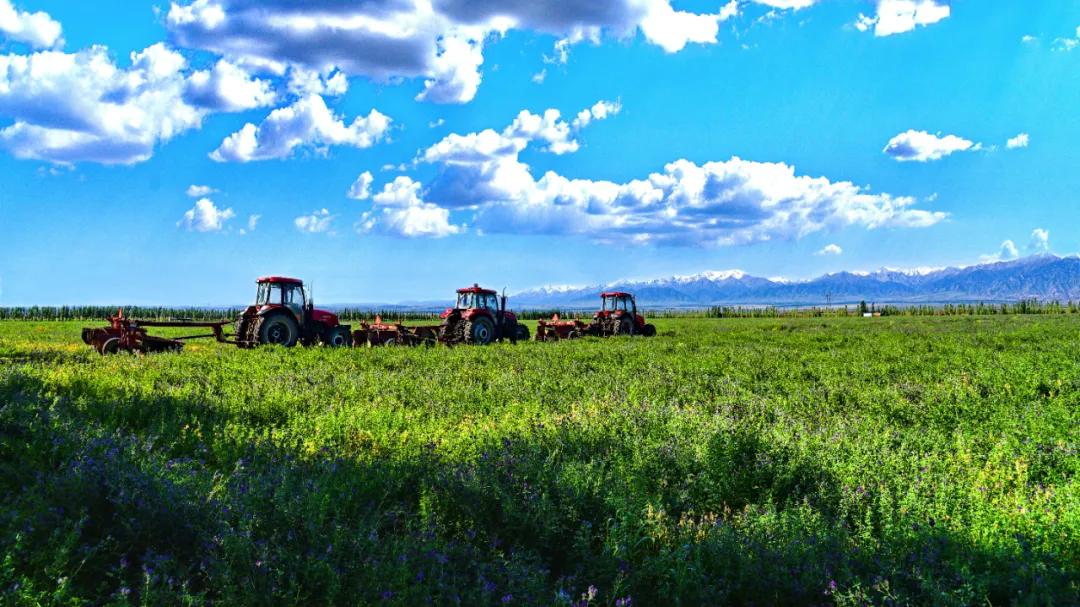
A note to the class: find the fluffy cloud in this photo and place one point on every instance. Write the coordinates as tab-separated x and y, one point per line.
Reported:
205	217
715	203
361	188
316	222
1040	240
1020	141
787	4
37	30
199	191
899	16
306	123
398	211
830	249
74	107
227	88
920	146
1067	44
440	41
1008	250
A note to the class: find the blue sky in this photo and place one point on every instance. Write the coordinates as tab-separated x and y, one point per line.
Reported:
781	137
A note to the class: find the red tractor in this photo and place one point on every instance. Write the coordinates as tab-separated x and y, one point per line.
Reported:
480	317
618	315
284	315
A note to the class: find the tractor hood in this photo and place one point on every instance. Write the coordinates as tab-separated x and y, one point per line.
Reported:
322	316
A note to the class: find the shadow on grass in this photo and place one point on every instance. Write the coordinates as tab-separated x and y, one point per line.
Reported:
106	509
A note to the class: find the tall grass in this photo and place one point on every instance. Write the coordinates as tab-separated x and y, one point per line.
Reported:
905	461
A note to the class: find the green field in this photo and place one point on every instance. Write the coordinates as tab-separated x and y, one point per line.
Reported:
902	461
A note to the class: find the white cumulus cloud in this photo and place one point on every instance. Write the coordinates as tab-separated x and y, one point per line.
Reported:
1040	240
314	223
37	30
199	191
920	146
399	211
205	217
76	107
440	42
227	88
715	203
361	188
899	16
1020	141
306	123
830	249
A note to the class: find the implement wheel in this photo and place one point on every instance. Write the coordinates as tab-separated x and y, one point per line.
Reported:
278	329
521	333
109	346
338	337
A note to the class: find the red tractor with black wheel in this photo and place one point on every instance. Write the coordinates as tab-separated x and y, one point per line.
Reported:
480	317
283	314
618	315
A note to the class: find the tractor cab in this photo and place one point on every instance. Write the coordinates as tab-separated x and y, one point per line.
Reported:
280	291
617	301
474	297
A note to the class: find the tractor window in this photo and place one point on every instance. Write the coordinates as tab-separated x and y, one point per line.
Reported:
465	300
269	293
488	301
294	299
624	303
294	296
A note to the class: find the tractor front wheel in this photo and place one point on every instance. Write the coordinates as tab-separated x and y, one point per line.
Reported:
480	331
649	331
278	329
338	337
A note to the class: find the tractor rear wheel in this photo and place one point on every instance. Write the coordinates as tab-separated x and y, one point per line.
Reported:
338	337
649	331
480	331
278	329
626	326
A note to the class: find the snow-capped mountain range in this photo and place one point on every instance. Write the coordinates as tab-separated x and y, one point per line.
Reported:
1043	277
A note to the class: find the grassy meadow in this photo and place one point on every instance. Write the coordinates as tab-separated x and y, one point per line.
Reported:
842	461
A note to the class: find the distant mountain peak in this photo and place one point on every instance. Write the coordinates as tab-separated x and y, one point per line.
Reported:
1043	276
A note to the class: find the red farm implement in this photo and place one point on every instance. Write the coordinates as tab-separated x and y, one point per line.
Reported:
618	315
379	333
282	314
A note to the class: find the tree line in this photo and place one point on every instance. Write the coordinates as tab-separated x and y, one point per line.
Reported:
1024	306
